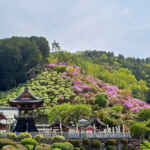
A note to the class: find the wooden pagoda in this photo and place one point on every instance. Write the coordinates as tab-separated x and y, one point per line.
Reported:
26	102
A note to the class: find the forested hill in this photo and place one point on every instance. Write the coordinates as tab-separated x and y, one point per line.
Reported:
22	58
114	67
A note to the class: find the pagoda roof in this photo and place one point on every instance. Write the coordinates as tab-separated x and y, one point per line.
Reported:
26	97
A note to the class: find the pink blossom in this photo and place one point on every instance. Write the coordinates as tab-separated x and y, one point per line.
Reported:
128	104
51	65
60	98
135	109
86	95
77	82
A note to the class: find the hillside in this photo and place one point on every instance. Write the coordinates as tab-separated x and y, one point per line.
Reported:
61	83
112	66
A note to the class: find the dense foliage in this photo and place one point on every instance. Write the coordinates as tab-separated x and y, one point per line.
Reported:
130	73
18	56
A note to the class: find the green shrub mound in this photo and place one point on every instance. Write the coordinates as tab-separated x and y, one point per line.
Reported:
82	148
111	147
62	146
85	141
101	100
9	147
111	142
76	142
58	139
21	147
38	137
77	148
60	69
57	149
23	135
29	141
96	143
43	147
11	135
47	140
5	141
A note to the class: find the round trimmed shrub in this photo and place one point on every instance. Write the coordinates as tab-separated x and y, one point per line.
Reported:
9	147
62	146
77	148
43	147
96	143
56	149
111	147
23	135
5	141
38	137
21	147
111	142
76	143
60	68
85	141
58	139
29	141
82	148
101	100
11	135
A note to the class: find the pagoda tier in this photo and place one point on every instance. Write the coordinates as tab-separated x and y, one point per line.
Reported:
26	101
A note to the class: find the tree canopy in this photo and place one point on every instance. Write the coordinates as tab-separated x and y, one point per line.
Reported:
17	56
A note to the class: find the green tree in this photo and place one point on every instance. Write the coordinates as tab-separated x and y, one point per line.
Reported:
143	115
18	55
101	100
139	129
60	112
78	112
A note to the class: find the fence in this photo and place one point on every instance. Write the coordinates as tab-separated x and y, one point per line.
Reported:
98	135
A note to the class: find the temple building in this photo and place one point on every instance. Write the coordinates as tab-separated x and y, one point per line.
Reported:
26	103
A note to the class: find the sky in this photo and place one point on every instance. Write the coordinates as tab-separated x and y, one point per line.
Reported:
121	26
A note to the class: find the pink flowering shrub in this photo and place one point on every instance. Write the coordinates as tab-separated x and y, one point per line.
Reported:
89	86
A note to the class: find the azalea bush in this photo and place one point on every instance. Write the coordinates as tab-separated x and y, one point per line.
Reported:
9	147
38	137
23	135
11	135
96	144
58	139
62	146
101	100
43	147
145	145
6	141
